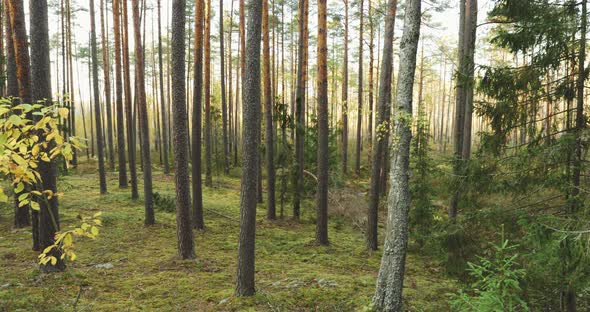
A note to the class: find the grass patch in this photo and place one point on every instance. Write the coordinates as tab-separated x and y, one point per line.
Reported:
146	275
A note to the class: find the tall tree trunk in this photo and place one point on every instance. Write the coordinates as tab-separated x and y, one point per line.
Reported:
467	20
131	147
119	96
470	29
223	100
359	121
207	85
17	38
268	116
11	80
371	83
382	125
345	93
197	182
184	231
97	111
163	107
107	86
250	154
388	293
321	233
143	117
41	91
300	106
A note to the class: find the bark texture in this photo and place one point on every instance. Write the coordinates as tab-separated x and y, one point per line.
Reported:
382	125
321	232
388	293
268	117
251	135
197	182
184	231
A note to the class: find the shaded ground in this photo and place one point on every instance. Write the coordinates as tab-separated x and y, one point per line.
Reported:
138	269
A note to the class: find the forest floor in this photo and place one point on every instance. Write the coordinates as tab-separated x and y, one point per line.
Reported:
131	267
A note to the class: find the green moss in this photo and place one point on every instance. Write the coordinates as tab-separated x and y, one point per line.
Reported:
292	272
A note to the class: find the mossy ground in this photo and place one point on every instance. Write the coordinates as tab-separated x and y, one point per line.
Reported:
292	273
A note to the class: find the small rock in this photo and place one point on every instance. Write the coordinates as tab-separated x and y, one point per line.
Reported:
5	285
323	283
106	266
224	301
295	284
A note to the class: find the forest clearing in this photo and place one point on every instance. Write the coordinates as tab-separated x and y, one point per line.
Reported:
294	155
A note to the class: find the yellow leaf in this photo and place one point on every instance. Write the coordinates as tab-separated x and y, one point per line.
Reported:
68	239
3	197
53	260
63	112
72	256
35	206
94	230
19	188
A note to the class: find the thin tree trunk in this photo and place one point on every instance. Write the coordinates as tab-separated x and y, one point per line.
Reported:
107	87
321	233
207	86
97	112
388	293
143	117
268	117
359	121
163	110
129	107
119	96
300	106
250	155
345	93
223	100
184	231
382	126
197	183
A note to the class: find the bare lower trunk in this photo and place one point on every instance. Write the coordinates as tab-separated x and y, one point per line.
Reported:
388	293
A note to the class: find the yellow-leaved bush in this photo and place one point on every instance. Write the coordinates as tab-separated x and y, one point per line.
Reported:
29	135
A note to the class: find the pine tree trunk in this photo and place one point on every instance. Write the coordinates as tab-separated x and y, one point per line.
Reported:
197	183
207	87
184	230
223	99
17	38
345	93
359	121
143	118
107	87
163	107
119	96
250	154
97	111
388	293
131	147
41	91
382	126
300	106
268	116
321	233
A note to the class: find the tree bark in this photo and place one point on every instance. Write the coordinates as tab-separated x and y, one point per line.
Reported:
223	100
197	183
41	92
359	121
184	230
300	106
119	96
268	116
107	87
251	130
321	235
97	122
207	85
388	293
143	118
131	147
382	125
345	93
163	107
